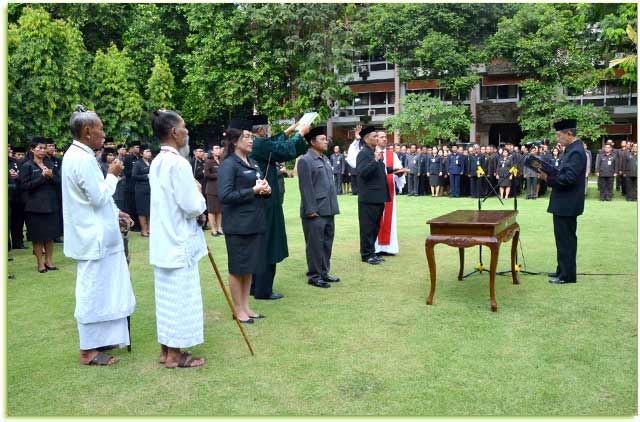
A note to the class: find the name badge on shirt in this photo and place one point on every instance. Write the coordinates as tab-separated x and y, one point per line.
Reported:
415	161
456	161
609	162
433	160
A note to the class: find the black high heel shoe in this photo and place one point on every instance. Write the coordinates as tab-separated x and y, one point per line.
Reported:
43	271
54	268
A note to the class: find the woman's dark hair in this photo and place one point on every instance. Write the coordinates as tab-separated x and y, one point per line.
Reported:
230	136
555	149
162	122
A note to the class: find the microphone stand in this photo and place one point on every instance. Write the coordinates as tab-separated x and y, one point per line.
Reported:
480	267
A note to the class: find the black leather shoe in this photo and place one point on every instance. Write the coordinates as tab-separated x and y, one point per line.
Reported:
373	261
559	281
381	259
330	279
274	296
319	283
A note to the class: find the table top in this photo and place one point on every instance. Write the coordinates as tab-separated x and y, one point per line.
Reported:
473	218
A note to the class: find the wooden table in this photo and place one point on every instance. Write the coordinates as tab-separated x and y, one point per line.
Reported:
464	229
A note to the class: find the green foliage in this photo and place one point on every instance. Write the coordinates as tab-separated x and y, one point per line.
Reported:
143	40
116	96
430	119
160	86
46	76
543	104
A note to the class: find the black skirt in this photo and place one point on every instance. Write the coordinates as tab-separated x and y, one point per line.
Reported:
244	252
42	227
435	180
504	182
143	202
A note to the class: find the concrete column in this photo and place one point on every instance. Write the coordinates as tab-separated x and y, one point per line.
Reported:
474	113
396	106
330	121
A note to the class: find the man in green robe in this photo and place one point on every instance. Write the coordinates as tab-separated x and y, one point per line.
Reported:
270	150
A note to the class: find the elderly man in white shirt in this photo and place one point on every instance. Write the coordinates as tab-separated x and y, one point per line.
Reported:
176	244
104	296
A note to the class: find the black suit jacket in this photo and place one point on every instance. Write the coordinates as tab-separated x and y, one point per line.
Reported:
372	178
567	196
317	189
41	195
243	212
140	175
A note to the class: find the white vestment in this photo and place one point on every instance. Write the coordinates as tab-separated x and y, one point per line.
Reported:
353	151
104	296
176	244
399	181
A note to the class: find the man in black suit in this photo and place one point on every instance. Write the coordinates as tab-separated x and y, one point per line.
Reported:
567	200
337	164
130	183
373	192
318	205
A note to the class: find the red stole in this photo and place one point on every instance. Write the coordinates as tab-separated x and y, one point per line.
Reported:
384	235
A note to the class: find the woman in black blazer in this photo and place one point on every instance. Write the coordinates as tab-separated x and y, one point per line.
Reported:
140	174
241	189
39	179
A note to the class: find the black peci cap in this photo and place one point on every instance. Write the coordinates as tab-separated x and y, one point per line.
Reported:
241	124
316	131
367	130
565	124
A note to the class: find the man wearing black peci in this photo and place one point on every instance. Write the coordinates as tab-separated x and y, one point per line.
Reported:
567	200
373	192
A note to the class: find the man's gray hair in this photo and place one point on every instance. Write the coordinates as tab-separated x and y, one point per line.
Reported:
81	118
256	128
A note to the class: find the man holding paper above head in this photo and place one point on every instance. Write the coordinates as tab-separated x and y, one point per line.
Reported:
567	200
267	151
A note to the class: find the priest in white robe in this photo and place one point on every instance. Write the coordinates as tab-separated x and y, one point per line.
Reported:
104	296
176	243
387	242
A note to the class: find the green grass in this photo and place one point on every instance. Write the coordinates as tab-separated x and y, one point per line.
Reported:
367	346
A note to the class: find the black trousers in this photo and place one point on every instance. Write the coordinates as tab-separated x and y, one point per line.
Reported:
318	237
369	216
130	198
262	282
631	188
465	185
354	184
476	187
564	230
454	182
605	186
619	184
337	180
17	224
412	180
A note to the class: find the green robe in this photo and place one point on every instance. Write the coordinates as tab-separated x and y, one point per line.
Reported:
281	150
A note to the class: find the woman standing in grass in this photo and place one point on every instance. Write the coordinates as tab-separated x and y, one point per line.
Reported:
242	188
504	175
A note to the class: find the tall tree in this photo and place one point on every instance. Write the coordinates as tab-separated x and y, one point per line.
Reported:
46	75
430	119
160	86
116	95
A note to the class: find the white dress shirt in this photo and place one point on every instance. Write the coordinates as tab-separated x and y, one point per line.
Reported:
91	228
175	239
354	150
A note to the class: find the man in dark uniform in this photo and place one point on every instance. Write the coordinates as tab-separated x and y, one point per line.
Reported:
18	202
476	160
337	167
424	187
412	177
455	168
267	151
567	200
372	194
631	174
606	169
130	183
318	205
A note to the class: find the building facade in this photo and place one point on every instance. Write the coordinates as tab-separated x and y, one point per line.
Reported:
493	103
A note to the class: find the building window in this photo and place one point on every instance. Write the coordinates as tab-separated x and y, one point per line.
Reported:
617	101
596	91
507	91
390	110
378	66
489	93
597	102
378	98
391	97
362	99
361	111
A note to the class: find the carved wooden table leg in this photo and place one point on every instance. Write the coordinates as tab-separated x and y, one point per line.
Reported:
429	244
514	254
460	274
495	250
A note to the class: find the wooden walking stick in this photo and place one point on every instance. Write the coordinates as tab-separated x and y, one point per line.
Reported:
226	295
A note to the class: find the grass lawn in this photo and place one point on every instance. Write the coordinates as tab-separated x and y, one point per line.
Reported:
367	346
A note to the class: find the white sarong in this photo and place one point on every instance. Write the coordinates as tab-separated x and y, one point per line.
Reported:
179	314
104	298
107	333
